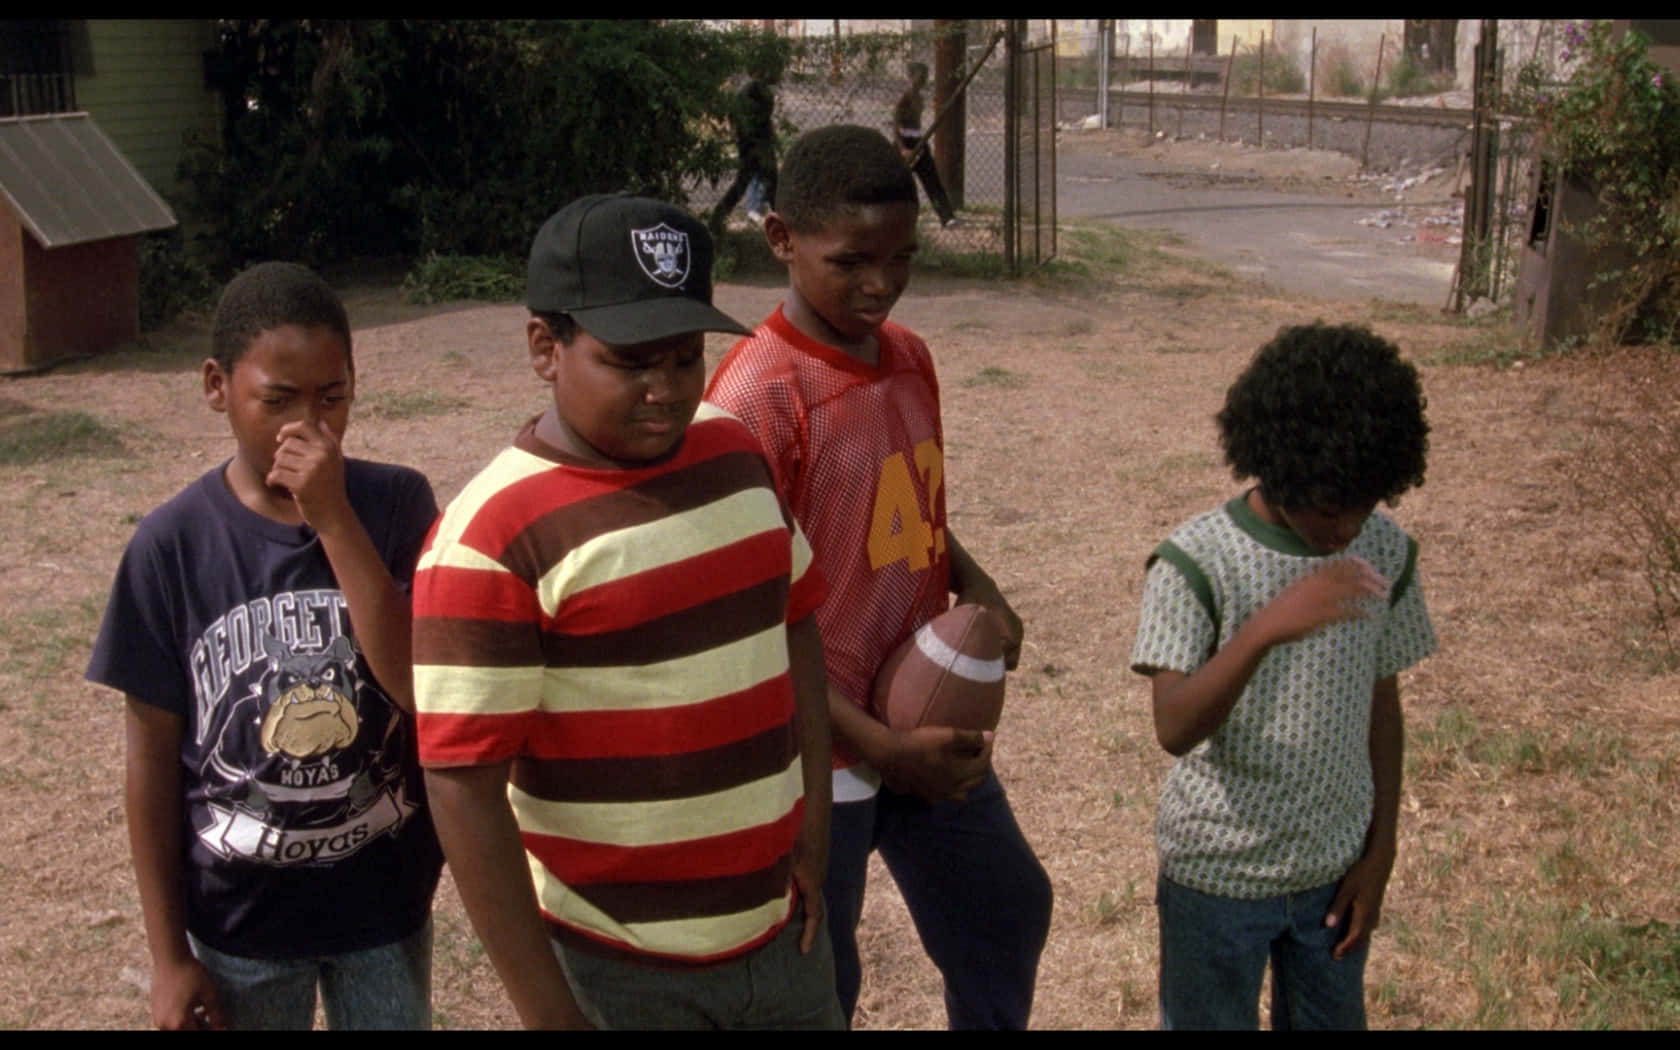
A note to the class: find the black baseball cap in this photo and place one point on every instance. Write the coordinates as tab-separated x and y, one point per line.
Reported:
627	269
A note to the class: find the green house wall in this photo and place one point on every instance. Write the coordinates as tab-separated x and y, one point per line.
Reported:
142	81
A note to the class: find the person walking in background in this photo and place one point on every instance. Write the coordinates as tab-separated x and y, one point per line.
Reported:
907	125
755	145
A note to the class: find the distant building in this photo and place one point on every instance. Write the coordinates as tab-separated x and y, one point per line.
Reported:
141	80
95	118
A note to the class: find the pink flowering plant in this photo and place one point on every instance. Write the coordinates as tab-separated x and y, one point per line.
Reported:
1614	127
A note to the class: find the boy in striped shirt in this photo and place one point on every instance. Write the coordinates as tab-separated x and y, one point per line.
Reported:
619	680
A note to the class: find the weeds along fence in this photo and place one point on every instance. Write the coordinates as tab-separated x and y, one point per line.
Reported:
856	78
1297	85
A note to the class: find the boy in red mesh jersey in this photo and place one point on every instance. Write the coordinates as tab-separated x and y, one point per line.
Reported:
846	404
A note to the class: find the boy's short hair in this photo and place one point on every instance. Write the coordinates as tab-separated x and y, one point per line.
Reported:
272	295
833	169
627	270
1326	416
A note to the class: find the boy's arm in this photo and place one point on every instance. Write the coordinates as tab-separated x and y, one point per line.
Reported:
183	995
1190	708
971	584
1360	896
310	463
487	859
811	727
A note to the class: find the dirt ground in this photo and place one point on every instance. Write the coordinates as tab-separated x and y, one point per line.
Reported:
1078	414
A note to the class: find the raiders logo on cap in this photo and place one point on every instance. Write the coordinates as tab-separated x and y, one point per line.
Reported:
579	267
662	253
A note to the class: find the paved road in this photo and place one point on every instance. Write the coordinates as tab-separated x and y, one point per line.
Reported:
1304	243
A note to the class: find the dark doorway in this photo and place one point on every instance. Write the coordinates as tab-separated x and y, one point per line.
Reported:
1204	36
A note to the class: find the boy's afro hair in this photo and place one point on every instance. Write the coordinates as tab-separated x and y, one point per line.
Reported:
1326	416
833	169
272	295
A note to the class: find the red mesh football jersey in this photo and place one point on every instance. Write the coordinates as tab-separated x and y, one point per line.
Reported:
859	457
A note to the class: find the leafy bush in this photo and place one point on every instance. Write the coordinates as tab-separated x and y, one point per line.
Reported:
172	279
455	137
1614	126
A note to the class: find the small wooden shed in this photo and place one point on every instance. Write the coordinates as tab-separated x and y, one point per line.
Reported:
72	210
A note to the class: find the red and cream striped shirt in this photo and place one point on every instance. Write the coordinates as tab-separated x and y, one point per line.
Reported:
621	636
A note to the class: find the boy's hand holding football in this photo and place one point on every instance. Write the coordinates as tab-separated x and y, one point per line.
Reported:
936	763
974	586
986	594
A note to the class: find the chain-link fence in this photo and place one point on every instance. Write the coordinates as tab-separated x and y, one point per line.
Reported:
1399	96
1030	211
858	78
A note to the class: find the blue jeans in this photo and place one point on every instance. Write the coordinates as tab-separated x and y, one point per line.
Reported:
1214	952
979	898
388	987
772	987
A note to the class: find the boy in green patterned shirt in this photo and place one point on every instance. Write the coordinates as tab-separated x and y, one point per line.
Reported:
1273	631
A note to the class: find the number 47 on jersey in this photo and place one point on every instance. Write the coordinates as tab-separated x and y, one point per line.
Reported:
897	529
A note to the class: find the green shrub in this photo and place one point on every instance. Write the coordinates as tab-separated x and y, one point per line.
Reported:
172	280
1407	80
347	138
1615	128
441	278
1343	80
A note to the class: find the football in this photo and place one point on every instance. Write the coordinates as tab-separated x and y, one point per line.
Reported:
949	673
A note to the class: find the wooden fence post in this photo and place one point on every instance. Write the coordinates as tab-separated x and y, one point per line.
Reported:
1151	84
1182	99
1371	110
1226	94
1312	84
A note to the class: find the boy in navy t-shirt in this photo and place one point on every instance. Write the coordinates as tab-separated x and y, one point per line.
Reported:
259	629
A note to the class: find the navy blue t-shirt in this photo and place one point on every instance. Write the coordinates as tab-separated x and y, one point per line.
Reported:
304	823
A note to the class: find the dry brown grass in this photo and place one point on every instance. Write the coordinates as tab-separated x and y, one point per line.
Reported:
1538	830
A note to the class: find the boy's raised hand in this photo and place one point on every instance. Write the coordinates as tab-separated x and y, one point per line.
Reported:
309	464
937	763
1336	593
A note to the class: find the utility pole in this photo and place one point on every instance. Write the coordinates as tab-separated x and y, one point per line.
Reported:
950	59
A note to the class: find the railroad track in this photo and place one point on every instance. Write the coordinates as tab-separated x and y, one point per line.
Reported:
1297	107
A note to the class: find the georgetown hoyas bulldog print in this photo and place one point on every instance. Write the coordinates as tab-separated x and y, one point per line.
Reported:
301	749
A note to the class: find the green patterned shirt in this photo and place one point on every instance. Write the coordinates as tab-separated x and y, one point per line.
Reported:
1278	799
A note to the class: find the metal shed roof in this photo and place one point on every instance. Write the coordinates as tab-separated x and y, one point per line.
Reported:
69	185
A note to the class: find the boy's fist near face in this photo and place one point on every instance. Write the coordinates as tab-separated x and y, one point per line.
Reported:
309	463
1340	591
